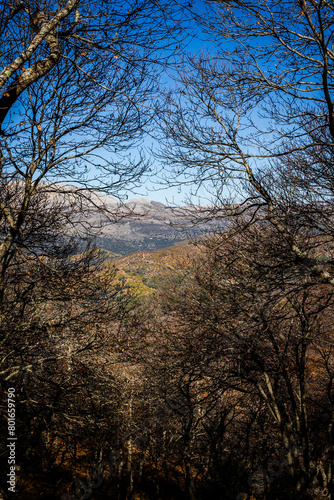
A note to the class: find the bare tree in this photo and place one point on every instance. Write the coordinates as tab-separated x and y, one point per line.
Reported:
76	85
251	334
252	120
60	306
77	82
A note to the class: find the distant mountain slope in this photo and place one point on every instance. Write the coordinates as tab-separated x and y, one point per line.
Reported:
146	225
144	272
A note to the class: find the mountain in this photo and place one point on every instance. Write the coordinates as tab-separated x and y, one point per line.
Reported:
140	225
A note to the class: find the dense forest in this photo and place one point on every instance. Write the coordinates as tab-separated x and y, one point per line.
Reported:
204	370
